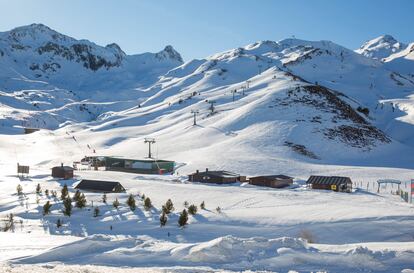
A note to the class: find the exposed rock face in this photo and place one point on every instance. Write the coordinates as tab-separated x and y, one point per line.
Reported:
49	52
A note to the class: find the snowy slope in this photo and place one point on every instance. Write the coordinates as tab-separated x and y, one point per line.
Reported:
402	61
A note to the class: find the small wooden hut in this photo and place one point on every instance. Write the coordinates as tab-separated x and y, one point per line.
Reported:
334	183
64	172
272	181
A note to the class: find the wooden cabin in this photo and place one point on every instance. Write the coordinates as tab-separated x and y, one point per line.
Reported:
334	183
100	186
272	181
216	177
64	172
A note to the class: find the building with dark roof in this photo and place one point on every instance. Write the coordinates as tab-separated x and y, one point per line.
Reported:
120	164
272	181
334	183
64	172
216	177
100	186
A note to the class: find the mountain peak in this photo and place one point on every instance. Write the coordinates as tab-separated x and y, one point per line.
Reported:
381	47
116	48
34	34
169	53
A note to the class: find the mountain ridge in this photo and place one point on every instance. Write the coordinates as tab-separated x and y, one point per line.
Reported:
340	99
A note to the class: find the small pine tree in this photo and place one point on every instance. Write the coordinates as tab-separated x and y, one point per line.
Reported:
182	220
76	196
96	212
58	223
54	194
104	198
19	189
147	203
163	219
46	208
81	202
38	189
47	192
131	202
116	203
192	209
67	206
169	206
143	196
202	205
218	209
186	204
9	225
64	193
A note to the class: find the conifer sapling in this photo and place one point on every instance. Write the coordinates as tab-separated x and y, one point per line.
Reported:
64	193
169	206
38	189
67	206
116	203
19	189
182	220
81	202
163	219
76	196
131	202
147	203
46	208
192	209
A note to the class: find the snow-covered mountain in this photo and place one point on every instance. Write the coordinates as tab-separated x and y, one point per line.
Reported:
266	97
402	61
381	47
290	107
41	54
396	56
47	75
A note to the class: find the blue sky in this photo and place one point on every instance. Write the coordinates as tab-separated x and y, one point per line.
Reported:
200	28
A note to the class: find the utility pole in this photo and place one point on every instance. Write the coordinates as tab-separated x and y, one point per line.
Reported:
243	88
149	141
234	92
248	84
260	69
195	112
212	102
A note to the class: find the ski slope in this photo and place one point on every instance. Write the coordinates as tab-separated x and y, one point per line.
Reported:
288	107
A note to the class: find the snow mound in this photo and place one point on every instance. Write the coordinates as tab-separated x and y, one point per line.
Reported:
228	248
228	252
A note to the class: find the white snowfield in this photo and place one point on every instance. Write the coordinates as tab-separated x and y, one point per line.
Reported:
291	107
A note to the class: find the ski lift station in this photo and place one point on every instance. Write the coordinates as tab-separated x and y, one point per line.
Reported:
143	166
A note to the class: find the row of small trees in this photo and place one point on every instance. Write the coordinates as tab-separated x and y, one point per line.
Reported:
183	217
81	202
